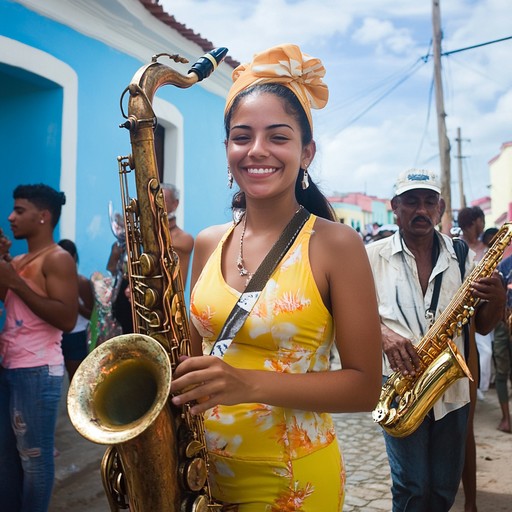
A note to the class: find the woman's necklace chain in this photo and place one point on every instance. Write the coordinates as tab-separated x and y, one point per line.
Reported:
240	260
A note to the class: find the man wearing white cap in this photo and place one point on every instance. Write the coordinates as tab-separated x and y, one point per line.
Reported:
426	465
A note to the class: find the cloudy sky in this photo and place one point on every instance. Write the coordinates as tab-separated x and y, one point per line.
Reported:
381	115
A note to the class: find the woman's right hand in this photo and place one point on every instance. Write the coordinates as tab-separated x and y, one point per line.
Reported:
207	381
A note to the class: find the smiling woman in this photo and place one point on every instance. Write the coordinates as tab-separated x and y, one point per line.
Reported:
268	394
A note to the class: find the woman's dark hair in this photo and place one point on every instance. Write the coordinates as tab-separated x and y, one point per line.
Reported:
43	197
468	215
69	246
311	198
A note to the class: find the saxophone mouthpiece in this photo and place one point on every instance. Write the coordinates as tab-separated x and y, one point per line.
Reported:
207	64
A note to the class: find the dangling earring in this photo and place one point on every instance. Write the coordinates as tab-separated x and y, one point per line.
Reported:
305	179
230	178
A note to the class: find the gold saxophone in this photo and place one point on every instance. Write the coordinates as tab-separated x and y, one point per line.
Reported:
441	364
120	396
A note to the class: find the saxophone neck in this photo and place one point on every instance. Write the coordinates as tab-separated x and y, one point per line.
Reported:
149	78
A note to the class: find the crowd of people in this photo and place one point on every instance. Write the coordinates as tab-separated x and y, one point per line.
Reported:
300	285
47	309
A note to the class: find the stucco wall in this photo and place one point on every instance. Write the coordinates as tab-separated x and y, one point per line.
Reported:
85	126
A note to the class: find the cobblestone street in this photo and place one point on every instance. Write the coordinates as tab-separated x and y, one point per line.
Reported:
78	483
368	479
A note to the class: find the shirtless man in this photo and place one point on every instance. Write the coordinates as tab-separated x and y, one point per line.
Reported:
40	294
182	242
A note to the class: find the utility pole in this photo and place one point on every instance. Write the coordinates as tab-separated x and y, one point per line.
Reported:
444	143
460	157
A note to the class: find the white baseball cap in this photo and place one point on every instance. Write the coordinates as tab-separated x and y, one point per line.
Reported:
417	178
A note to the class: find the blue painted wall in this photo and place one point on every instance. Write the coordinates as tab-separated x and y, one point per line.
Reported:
31	111
30	131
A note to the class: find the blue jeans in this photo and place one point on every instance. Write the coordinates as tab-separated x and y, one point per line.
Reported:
502	355
426	466
29	403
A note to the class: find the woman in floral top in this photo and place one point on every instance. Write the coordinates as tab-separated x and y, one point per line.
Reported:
267	401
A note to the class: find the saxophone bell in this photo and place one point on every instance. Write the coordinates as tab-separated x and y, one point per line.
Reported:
121	388
120	394
404	402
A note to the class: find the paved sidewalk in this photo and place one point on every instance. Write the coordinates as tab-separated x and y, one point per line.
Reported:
368	479
78	485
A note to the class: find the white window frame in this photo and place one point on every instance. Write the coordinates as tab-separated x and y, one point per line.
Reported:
40	63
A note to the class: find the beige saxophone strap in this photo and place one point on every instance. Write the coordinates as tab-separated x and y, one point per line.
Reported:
253	290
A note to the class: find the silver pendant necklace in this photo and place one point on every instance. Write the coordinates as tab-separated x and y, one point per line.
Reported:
240	260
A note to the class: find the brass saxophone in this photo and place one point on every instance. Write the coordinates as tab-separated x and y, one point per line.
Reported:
405	400
120	396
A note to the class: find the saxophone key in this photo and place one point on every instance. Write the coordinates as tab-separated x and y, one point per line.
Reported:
148	264
198	504
194	474
151	298
392	417
193	448
155	319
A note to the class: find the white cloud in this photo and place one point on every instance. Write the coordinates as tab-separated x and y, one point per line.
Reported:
248	27
369	158
369	47
373	30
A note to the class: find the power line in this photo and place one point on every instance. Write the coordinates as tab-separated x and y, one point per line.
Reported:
380	98
375	87
427	120
477	46
443	54
406	74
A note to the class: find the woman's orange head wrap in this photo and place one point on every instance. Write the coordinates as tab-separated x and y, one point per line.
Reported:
287	65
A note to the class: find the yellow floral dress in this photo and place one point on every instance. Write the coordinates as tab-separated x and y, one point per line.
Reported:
266	458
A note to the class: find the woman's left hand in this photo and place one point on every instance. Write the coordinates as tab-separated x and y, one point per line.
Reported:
207	381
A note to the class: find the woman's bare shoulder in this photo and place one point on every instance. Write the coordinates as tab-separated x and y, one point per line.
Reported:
335	235
208	238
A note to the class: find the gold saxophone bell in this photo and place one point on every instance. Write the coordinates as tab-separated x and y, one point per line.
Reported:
118	397
418	398
119	389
